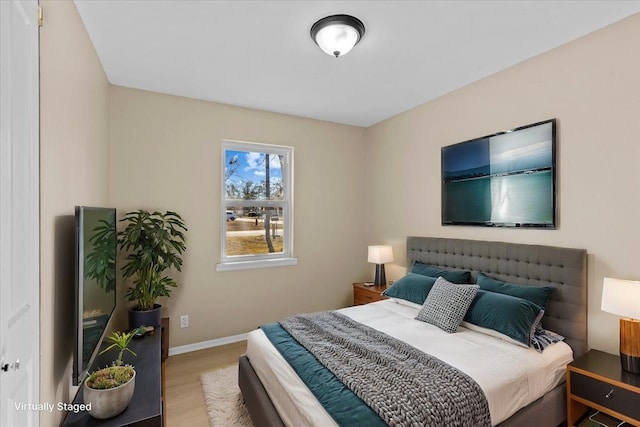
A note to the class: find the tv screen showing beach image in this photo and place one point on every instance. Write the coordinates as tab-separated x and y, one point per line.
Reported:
505	179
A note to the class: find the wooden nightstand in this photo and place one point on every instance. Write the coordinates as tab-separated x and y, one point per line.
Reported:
596	380
365	294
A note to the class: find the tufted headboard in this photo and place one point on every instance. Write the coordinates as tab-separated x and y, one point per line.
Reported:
535	265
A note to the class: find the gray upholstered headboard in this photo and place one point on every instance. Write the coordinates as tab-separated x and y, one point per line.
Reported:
535	265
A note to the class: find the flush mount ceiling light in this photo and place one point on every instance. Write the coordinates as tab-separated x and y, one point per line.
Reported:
337	34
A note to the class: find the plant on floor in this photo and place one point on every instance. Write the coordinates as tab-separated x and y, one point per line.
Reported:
154	242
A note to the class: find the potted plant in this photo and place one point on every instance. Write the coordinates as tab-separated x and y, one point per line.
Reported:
154	243
108	391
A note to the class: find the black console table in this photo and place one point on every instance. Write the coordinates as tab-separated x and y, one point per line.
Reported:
146	406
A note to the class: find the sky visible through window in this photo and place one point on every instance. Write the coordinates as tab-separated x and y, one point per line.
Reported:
256	205
245	168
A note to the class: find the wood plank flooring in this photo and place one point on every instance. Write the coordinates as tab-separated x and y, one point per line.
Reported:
185	404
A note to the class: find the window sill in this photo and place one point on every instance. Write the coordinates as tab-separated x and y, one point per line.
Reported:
248	265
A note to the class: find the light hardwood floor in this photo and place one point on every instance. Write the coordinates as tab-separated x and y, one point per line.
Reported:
185	404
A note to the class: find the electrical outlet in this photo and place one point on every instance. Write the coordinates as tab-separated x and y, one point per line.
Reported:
184	321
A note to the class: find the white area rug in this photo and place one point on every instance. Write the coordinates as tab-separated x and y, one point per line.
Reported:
223	399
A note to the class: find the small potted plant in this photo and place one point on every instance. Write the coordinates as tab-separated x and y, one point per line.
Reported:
154	243
109	390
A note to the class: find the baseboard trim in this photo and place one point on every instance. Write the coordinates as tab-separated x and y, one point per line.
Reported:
206	344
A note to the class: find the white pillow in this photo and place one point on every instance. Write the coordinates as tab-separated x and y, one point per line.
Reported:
492	333
406	303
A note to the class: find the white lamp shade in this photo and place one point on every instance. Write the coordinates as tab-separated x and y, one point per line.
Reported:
621	297
380	254
338	38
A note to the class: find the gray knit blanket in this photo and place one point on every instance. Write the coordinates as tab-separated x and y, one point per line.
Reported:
403	385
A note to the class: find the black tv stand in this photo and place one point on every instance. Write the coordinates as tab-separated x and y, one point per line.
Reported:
146	407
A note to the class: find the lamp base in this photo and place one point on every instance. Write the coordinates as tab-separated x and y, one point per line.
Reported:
380	279
630	345
630	363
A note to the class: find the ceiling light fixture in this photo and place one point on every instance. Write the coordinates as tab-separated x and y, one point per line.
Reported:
337	34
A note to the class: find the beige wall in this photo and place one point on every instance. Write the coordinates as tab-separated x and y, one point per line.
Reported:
591	87
74	170
103	145
165	154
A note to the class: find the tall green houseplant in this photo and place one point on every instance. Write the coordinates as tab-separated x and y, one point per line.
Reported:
154	243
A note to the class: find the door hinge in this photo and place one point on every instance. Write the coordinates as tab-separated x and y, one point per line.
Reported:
40	16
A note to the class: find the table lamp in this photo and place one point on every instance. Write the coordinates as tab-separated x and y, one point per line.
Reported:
378	255
622	297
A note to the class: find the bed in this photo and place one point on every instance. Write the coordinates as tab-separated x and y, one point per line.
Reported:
565	313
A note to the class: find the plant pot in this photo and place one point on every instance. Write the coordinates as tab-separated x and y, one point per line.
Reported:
109	402
139	318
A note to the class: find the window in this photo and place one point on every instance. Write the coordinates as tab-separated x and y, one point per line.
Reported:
257	205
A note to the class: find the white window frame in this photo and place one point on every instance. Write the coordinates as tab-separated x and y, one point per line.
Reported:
242	262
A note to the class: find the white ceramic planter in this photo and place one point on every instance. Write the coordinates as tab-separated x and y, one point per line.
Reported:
110	402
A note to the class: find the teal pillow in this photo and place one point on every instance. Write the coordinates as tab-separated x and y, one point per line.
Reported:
412	287
454	276
536	294
514	317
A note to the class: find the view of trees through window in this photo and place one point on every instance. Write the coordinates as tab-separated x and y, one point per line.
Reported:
255	201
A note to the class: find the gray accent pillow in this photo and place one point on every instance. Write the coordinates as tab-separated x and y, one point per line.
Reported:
447	304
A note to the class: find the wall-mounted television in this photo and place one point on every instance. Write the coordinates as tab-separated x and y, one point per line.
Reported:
95	283
507	179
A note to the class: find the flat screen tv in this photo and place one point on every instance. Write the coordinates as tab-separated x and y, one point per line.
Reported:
507	179
95	283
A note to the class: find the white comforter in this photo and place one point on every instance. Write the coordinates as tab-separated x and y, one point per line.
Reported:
510	376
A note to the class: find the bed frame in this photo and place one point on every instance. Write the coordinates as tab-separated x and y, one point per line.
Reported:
566	311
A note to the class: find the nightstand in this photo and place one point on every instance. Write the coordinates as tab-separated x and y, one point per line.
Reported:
365	294
596	380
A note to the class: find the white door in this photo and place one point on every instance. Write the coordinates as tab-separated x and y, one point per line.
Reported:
19	214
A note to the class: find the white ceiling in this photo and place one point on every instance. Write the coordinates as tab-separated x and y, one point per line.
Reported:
259	53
